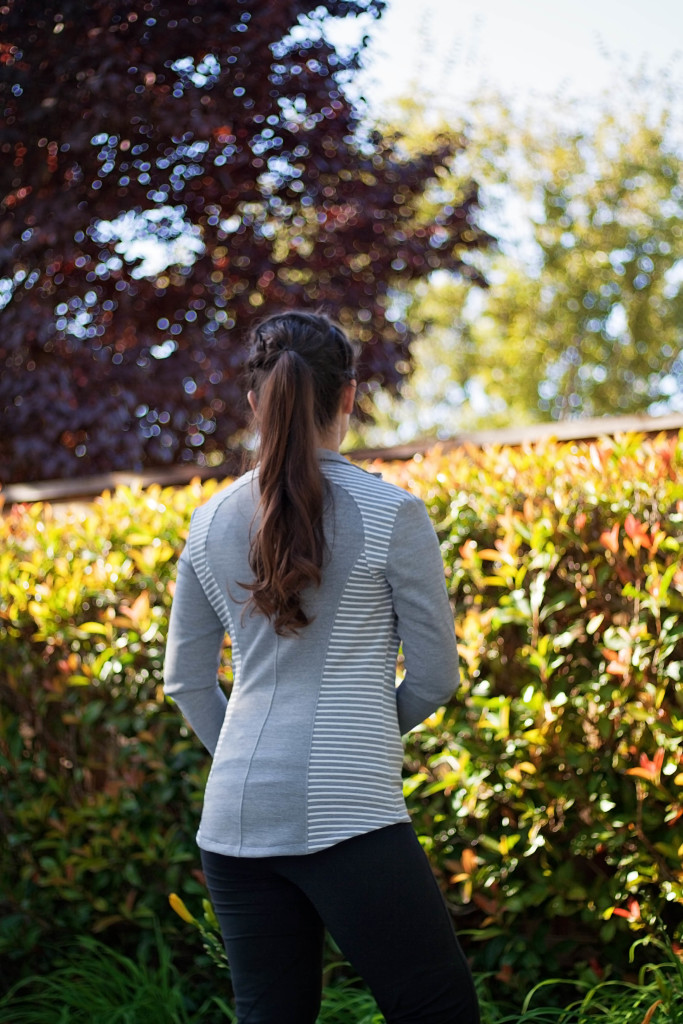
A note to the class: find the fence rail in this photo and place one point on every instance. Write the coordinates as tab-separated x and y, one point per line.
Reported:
85	488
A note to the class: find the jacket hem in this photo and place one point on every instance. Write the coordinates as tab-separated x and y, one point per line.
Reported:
290	849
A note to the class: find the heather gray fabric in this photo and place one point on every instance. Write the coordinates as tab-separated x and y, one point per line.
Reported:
307	752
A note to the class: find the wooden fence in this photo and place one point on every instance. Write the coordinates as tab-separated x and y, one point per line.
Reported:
85	488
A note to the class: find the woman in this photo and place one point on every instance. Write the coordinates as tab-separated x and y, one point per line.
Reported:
316	570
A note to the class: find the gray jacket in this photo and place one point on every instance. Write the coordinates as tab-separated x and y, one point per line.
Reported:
307	751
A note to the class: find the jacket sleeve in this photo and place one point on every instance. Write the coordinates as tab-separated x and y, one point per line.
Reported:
424	617
193	653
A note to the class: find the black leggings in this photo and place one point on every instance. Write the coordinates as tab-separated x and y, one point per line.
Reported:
379	900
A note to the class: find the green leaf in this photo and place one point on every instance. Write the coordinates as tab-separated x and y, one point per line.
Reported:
412	783
93	627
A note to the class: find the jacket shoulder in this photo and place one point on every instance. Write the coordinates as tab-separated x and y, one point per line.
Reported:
233	491
356	478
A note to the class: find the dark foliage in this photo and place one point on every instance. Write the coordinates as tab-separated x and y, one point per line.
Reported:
214	127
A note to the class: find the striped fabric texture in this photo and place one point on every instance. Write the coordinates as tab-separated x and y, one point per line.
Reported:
307	750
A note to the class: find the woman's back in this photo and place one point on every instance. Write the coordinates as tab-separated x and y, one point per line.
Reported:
309	752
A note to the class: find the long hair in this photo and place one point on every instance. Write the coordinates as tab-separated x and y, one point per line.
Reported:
298	365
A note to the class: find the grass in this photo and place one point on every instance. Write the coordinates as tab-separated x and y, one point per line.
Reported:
343	1003
97	985
655	997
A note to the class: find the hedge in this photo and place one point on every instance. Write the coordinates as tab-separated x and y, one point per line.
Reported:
101	783
548	793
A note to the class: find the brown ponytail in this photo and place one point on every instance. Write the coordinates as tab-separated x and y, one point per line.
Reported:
298	366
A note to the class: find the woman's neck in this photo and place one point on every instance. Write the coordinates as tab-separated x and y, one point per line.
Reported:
334	434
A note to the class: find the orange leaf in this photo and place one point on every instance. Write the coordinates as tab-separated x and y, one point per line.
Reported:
616	666
650	1013
632	526
637	531
610	539
138	611
650	770
469	860
468	551
642	773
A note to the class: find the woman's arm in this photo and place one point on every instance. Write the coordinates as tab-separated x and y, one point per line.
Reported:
193	653
425	621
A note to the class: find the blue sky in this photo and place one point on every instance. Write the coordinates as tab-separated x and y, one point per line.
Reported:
522	47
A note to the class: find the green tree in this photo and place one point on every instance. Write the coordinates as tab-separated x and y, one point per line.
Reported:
584	314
